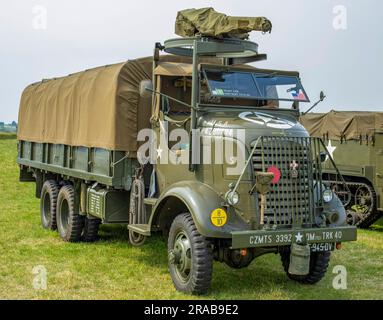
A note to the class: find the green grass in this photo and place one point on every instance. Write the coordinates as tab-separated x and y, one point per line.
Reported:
112	269
7	135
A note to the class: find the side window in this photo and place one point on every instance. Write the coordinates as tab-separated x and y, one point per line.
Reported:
176	114
180	89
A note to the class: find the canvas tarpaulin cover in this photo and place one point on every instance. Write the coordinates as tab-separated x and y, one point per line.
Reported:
174	69
343	125
208	22
99	107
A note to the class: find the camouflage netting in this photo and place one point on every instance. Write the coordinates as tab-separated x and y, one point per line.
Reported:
343	125
208	22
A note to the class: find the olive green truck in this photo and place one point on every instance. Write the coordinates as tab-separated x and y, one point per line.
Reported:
355	141
235	176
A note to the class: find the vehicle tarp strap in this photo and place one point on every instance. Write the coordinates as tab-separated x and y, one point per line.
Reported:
208	22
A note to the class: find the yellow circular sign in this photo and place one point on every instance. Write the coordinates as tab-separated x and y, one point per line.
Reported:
218	217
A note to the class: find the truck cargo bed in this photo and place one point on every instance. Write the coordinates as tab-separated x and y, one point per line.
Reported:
108	167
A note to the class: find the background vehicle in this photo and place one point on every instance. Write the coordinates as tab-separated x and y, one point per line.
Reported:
355	140
79	140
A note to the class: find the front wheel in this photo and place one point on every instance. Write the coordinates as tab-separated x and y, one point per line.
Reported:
190	256
318	266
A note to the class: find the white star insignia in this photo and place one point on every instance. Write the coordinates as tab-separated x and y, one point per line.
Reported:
159	152
298	237
330	148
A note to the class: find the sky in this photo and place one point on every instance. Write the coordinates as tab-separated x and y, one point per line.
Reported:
336	45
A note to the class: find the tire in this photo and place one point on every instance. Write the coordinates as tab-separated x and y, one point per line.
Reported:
90	230
69	222
319	262
190	257
48	204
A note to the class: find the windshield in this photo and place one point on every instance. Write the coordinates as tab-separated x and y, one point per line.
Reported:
250	85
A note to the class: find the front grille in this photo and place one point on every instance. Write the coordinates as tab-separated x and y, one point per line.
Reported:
290	200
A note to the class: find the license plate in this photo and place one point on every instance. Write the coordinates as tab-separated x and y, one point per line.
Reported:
318	237
321	247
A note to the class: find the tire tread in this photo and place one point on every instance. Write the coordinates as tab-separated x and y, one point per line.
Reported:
51	187
319	262
76	222
202	268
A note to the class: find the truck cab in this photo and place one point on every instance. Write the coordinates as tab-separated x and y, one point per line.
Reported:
195	144
235	175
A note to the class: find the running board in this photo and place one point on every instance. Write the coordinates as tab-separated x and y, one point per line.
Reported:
149	205
143	229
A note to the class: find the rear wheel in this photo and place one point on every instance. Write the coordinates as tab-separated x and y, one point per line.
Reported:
69	222
48	201
190	256
90	229
318	266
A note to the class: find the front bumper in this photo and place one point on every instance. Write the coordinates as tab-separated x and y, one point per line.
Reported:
272	238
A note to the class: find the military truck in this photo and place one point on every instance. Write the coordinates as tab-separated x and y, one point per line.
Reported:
245	180
355	140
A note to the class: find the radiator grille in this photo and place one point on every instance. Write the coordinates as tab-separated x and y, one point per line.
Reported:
290	201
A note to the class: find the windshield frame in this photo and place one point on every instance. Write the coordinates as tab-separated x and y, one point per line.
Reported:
255	73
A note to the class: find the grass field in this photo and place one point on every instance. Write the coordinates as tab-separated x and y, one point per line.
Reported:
7	135
112	269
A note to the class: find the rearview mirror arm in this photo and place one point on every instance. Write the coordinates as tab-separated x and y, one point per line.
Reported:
315	104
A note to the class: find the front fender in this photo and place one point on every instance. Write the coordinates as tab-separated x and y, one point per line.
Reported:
200	200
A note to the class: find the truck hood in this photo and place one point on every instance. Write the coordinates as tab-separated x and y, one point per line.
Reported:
255	122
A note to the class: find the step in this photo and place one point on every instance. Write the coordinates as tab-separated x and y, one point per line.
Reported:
143	229
150	201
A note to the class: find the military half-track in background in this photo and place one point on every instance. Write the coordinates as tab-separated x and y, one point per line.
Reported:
355	140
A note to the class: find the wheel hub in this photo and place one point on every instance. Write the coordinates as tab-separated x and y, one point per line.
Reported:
174	257
64	215
180	256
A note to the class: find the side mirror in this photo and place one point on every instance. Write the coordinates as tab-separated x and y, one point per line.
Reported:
146	88
322	96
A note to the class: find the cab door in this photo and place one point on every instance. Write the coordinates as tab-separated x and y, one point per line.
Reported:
173	119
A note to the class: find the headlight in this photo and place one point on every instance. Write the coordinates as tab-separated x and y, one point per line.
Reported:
327	195
232	198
